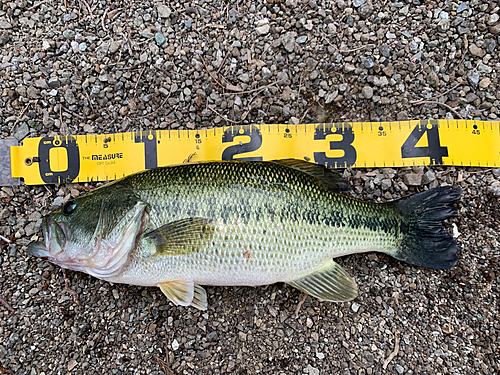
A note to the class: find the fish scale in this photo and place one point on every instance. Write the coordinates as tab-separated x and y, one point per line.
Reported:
246	250
241	223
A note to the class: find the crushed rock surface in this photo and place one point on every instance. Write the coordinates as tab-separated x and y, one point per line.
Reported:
83	67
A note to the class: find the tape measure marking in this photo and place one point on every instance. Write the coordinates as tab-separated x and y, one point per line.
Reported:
396	144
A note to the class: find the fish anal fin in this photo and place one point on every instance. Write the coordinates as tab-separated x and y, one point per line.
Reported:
182	237
329	179
199	298
180	292
328	283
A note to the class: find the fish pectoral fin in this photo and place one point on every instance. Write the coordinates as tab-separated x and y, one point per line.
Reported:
185	293
182	237
199	298
180	292
329	283
331	180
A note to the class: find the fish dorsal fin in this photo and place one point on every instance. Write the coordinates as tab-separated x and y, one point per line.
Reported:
329	283
331	180
180	292
182	237
185	293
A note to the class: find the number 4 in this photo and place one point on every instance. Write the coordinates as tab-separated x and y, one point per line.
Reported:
433	150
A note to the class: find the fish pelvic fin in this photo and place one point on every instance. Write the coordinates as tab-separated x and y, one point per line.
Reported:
328	283
180	292
426	243
182	237
185	293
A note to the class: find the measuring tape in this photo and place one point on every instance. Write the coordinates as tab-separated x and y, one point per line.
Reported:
83	158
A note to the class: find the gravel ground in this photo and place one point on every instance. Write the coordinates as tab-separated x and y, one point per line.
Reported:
77	67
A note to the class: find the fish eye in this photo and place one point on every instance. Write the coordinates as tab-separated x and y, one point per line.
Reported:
69	207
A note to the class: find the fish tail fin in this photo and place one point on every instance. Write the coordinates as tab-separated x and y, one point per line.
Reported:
426	243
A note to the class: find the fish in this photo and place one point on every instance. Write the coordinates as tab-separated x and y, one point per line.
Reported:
242	223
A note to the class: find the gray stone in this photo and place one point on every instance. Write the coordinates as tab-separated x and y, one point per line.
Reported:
331	96
5	37
368	63
54	82
400	369
433	79
365	11
495	29
114	46
266	73
21	132
311	370
69	96
388	70
301	39
476	51
4	24
41	84
160	39
428	177
355	307
495	190
262	30
367	92
349	68
288	41
32	228
32	92
283	78
286	94
385	50
163	11
69	34
233	16
483	68
35	216
380	81
412	179
461	8
385	184
244	77
402	116
473	77
492	19
311	63
96	89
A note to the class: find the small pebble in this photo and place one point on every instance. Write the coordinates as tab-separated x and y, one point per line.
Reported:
367	92
355	306
160	39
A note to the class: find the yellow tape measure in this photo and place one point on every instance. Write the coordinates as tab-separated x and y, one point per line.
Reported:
390	144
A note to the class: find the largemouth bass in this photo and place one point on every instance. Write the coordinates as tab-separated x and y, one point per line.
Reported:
241	223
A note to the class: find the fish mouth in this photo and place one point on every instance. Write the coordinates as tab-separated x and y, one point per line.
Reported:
55	238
